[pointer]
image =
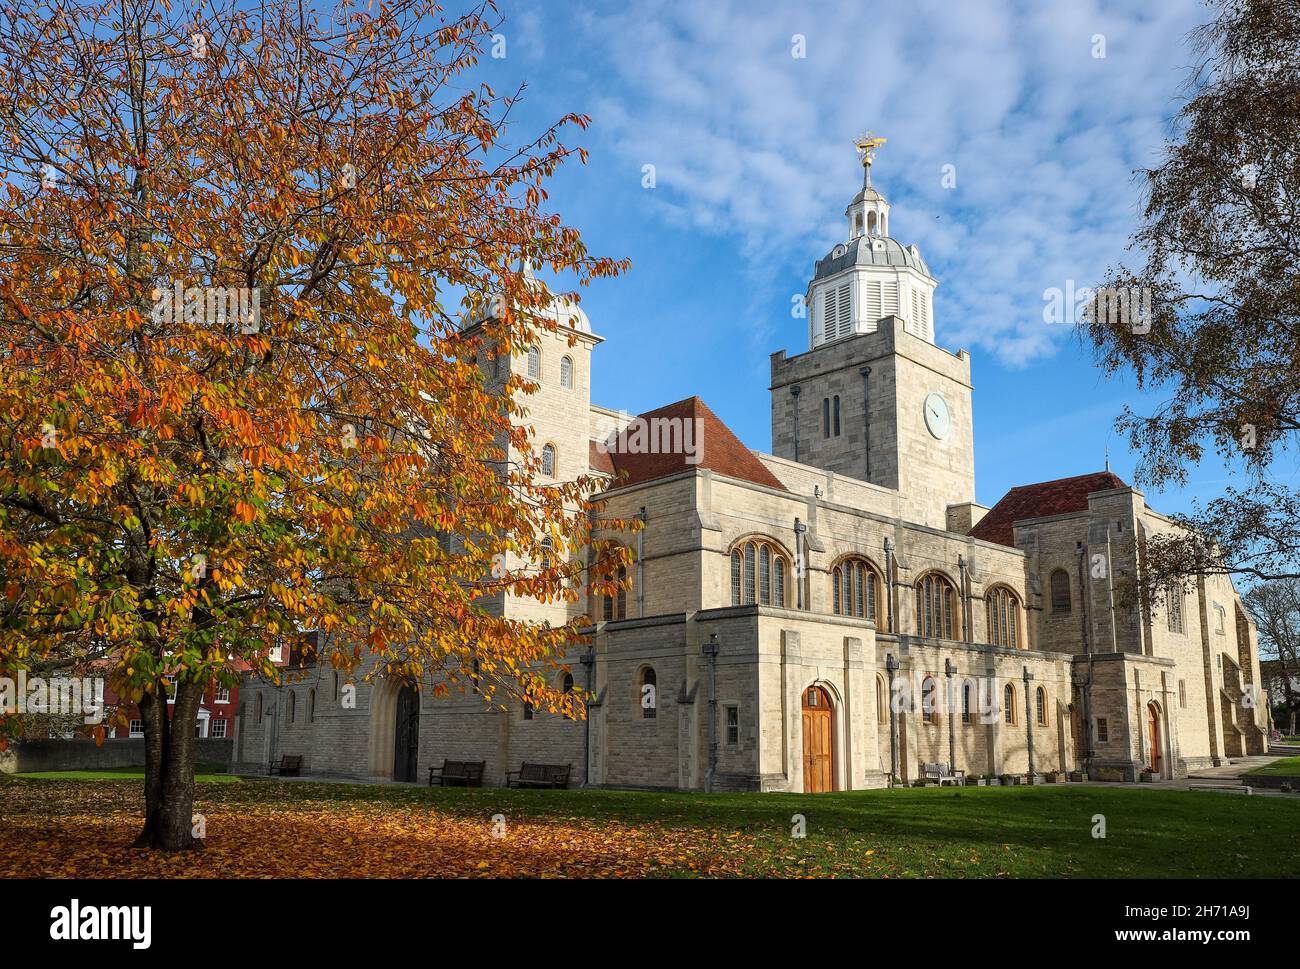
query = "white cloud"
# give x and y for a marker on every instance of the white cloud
(752, 143)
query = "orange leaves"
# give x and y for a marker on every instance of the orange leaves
(245, 512)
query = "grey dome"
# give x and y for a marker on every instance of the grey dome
(869, 251)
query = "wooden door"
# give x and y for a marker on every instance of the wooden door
(406, 736)
(1153, 739)
(818, 747)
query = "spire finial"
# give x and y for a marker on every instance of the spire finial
(867, 146)
(1108, 459)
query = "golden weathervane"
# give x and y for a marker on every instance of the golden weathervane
(867, 145)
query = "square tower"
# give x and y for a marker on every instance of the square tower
(887, 407)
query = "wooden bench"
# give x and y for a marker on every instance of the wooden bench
(457, 773)
(942, 774)
(539, 775)
(290, 766)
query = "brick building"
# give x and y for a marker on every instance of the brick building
(867, 615)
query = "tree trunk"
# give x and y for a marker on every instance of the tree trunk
(169, 769)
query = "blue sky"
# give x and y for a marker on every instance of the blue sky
(754, 164)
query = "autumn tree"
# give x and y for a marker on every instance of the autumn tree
(235, 398)
(1275, 607)
(1221, 345)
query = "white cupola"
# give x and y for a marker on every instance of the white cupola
(870, 277)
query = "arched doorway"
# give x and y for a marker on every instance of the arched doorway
(1153, 739)
(406, 734)
(818, 742)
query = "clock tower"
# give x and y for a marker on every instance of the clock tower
(874, 397)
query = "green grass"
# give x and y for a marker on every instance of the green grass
(974, 832)
(1285, 767)
(209, 773)
(1029, 832)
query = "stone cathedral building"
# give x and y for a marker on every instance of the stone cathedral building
(836, 612)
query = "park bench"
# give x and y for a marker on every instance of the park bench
(290, 766)
(457, 773)
(942, 774)
(539, 775)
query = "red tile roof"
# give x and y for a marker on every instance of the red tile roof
(598, 460)
(717, 448)
(1040, 500)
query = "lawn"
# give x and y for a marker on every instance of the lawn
(268, 828)
(1285, 767)
(203, 773)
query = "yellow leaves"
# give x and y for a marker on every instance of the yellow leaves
(245, 512)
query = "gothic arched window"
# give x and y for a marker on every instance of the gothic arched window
(1040, 706)
(649, 694)
(855, 588)
(928, 700)
(1175, 594)
(548, 460)
(1003, 609)
(1009, 703)
(1060, 583)
(936, 601)
(758, 574)
(615, 605)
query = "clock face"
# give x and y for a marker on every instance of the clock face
(937, 416)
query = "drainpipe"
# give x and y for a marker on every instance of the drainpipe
(889, 580)
(866, 419)
(640, 565)
(891, 667)
(1086, 610)
(1110, 593)
(1030, 710)
(589, 661)
(949, 668)
(710, 650)
(966, 615)
(794, 392)
(801, 561)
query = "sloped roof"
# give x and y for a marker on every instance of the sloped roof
(597, 459)
(716, 447)
(1040, 500)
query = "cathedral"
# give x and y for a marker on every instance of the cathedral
(831, 616)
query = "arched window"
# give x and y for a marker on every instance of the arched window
(1060, 583)
(1009, 703)
(548, 460)
(534, 363)
(935, 605)
(826, 417)
(336, 684)
(835, 407)
(967, 698)
(882, 712)
(649, 694)
(928, 701)
(311, 706)
(1040, 706)
(259, 707)
(1175, 593)
(528, 710)
(293, 706)
(1003, 611)
(616, 605)
(566, 683)
(566, 373)
(855, 588)
(758, 574)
